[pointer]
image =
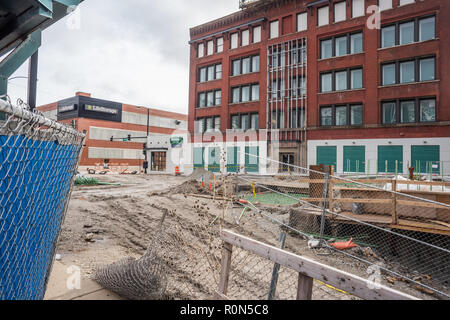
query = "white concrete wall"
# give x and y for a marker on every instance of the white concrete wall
(372, 150)
(155, 121)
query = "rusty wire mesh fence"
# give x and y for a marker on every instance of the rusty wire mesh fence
(38, 162)
(360, 227)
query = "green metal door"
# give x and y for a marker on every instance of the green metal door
(392, 156)
(252, 159)
(354, 159)
(425, 159)
(199, 161)
(232, 159)
(327, 156)
(214, 160)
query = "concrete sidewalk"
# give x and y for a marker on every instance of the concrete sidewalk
(89, 290)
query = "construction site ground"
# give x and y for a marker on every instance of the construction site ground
(107, 223)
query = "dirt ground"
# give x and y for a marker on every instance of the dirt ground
(105, 224)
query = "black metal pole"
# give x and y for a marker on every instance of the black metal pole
(32, 80)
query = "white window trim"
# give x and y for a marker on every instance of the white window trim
(272, 34)
(361, 14)
(236, 42)
(323, 9)
(302, 17)
(407, 3)
(339, 5)
(245, 38)
(259, 32)
(385, 8)
(201, 50)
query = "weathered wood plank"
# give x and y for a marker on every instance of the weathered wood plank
(308, 267)
(422, 204)
(227, 251)
(304, 287)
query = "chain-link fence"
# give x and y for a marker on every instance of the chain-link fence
(388, 225)
(38, 161)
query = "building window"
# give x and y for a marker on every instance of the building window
(323, 16)
(219, 45)
(356, 43)
(326, 48)
(427, 110)
(210, 73)
(389, 113)
(327, 82)
(427, 29)
(210, 47)
(388, 71)
(407, 32)
(245, 121)
(274, 29)
(201, 50)
(338, 46)
(209, 124)
(341, 115)
(405, 2)
(326, 116)
(356, 115)
(427, 69)
(245, 37)
(388, 37)
(296, 89)
(409, 111)
(341, 46)
(356, 79)
(257, 34)
(417, 70)
(278, 88)
(245, 93)
(234, 40)
(302, 21)
(419, 29)
(340, 11)
(209, 99)
(385, 4)
(342, 80)
(245, 65)
(407, 72)
(358, 9)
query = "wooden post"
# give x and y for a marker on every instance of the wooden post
(227, 251)
(394, 203)
(330, 194)
(304, 289)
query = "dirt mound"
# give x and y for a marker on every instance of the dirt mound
(199, 173)
(190, 186)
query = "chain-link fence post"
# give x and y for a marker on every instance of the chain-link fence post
(324, 206)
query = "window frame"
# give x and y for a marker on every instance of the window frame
(271, 24)
(417, 110)
(207, 73)
(349, 79)
(417, 71)
(206, 98)
(241, 65)
(396, 25)
(204, 121)
(327, 7)
(240, 87)
(349, 107)
(240, 116)
(305, 13)
(348, 36)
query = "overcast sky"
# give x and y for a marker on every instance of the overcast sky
(133, 51)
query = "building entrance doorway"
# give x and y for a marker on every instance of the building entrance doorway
(159, 161)
(287, 159)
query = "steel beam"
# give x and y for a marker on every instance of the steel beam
(32, 80)
(16, 58)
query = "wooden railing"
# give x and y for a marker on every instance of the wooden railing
(307, 269)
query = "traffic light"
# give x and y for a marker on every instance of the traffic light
(111, 139)
(129, 137)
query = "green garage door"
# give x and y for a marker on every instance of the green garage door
(252, 159)
(214, 160)
(232, 159)
(426, 158)
(354, 159)
(393, 156)
(327, 156)
(199, 161)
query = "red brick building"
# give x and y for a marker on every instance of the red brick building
(341, 88)
(102, 120)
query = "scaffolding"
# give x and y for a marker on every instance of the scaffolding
(287, 92)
